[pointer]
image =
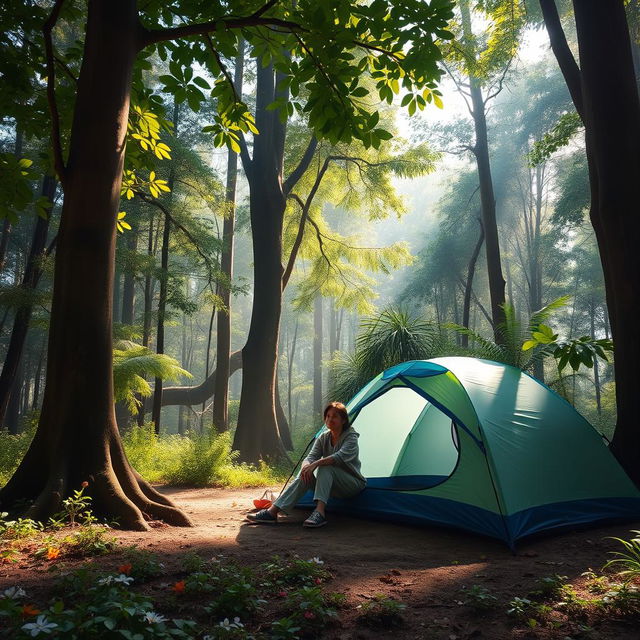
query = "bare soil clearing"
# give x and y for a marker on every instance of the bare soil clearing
(427, 569)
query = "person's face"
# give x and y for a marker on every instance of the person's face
(334, 420)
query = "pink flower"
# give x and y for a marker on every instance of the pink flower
(282, 594)
(309, 615)
(318, 580)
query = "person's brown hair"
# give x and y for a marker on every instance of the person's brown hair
(342, 411)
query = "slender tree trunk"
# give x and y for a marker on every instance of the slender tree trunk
(487, 197)
(12, 418)
(38, 376)
(162, 306)
(146, 315)
(117, 296)
(468, 286)
(223, 337)
(317, 357)
(128, 285)
(77, 437)
(292, 353)
(283, 424)
(6, 224)
(30, 279)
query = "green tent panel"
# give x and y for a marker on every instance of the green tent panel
(482, 446)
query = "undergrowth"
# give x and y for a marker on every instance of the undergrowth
(196, 459)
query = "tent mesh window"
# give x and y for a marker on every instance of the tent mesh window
(406, 443)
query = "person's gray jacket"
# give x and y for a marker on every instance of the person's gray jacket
(345, 453)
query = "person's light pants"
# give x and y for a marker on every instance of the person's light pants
(328, 481)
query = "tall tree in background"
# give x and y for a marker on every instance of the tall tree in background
(223, 335)
(608, 105)
(485, 61)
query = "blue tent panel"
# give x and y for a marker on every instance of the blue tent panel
(414, 369)
(412, 508)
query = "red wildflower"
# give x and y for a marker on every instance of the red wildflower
(178, 587)
(125, 568)
(52, 553)
(29, 610)
(282, 594)
(309, 615)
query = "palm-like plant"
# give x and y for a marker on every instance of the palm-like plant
(391, 337)
(131, 363)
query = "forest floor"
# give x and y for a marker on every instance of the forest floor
(444, 577)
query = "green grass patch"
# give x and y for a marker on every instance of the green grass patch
(197, 459)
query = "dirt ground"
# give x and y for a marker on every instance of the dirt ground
(426, 568)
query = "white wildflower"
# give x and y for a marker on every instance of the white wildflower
(316, 560)
(41, 625)
(14, 593)
(153, 618)
(236, 624)
(121, 579)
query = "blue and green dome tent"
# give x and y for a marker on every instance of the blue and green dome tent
(481, 446)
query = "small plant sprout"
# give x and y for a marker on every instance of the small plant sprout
(479, 598)
(77, 505)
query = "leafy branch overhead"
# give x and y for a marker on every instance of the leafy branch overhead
(324, 52)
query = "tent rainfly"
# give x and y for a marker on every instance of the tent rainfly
(481, 446)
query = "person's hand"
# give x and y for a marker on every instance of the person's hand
(306, 473)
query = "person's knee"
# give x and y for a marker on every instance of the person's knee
(324, 472)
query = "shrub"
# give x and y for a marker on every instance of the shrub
(197, 459)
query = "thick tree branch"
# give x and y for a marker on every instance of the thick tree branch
(303, 165)
(148, 37)
(560, 47)
(58, 160)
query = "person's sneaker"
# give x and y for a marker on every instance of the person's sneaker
(316, 519)
(262, 517)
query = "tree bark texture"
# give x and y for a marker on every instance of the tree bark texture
(257, 435)
(77, 438)
(223, 335)
(487, 197)
(612, 121)
(468, 286)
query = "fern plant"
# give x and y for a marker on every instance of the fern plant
(514, 335)
(132, 363)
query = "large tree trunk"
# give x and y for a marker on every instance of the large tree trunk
(30, 280)
(77, 437)
(612, 121)
(223, 336)
(257, 434)
(610, 110)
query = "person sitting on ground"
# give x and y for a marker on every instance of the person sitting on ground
(334, 459)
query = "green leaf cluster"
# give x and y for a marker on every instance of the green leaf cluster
(131, 363)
